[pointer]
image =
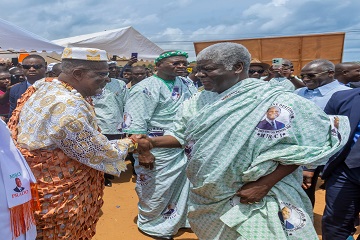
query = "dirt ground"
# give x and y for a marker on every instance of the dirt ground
(118, 216)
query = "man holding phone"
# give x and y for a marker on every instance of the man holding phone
(133, 59)
(17, 75)
(281, 72)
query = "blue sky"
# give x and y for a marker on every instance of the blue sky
(177, 24)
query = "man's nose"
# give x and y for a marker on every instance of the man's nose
(199, 74)
(182, 65)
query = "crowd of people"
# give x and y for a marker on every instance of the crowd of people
(232, 150)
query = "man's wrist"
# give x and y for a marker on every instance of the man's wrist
(291, 77)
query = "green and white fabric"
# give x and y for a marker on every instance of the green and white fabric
(109, 106)
(284, 82)
(163, 191)
(229, 147)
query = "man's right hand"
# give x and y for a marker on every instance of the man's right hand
(307, 179)
(143, 141)
(132, 61)
(146, 158)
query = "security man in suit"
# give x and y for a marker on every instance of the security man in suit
(34, 67)
(342, 172)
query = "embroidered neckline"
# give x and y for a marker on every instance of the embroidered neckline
(169, 83)
(72, 90)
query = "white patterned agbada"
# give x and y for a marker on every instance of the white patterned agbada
(56, 118)
(231, 145)
(56, 131)
(163, 191)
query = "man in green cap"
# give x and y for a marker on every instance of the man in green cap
(150, 109)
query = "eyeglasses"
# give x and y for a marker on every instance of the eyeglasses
(102, 74)
(312, 75)
(36, 66)
(251, 71)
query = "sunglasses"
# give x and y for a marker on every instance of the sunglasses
(251, 71)
(36, 66)
(311, 75)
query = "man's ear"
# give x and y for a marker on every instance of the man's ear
(78, 74)
(331, 73)
(239, 67)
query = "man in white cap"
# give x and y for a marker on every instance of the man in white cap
(55, 128)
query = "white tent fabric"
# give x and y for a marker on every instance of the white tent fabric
(121, 42)
(16, 39)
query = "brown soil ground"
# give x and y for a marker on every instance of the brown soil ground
(119, 213)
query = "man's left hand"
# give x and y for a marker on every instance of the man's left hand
(253, 192)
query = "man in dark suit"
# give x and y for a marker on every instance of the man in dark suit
(34, 67)
(284, 216)
(348, 73)
(19, 187)
(269, 123)
(342, 172)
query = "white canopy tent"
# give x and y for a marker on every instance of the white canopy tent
(120, 42)
(14, 39)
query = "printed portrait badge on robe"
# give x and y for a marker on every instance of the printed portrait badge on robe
(291, 217)
(127, 120)
(275, 122)
(334, 122)
(147, 92)
(175, 95)
(188, 149)
(170, 211)
(143, 179)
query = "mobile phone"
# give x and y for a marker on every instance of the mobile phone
(14, 79)
(277, 63)
(134, 55)
(15, 61)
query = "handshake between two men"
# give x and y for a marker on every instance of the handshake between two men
(145, 144)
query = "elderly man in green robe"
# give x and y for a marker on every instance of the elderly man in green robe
(243, 175)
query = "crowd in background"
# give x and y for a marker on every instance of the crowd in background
(137, 107)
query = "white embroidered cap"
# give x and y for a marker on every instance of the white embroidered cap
(89, 54)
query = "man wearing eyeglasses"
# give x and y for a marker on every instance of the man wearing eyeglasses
(34, 67)
(318, 76)
(257, 68)
(55, 128)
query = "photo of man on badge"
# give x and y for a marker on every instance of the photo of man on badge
(269, 123)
